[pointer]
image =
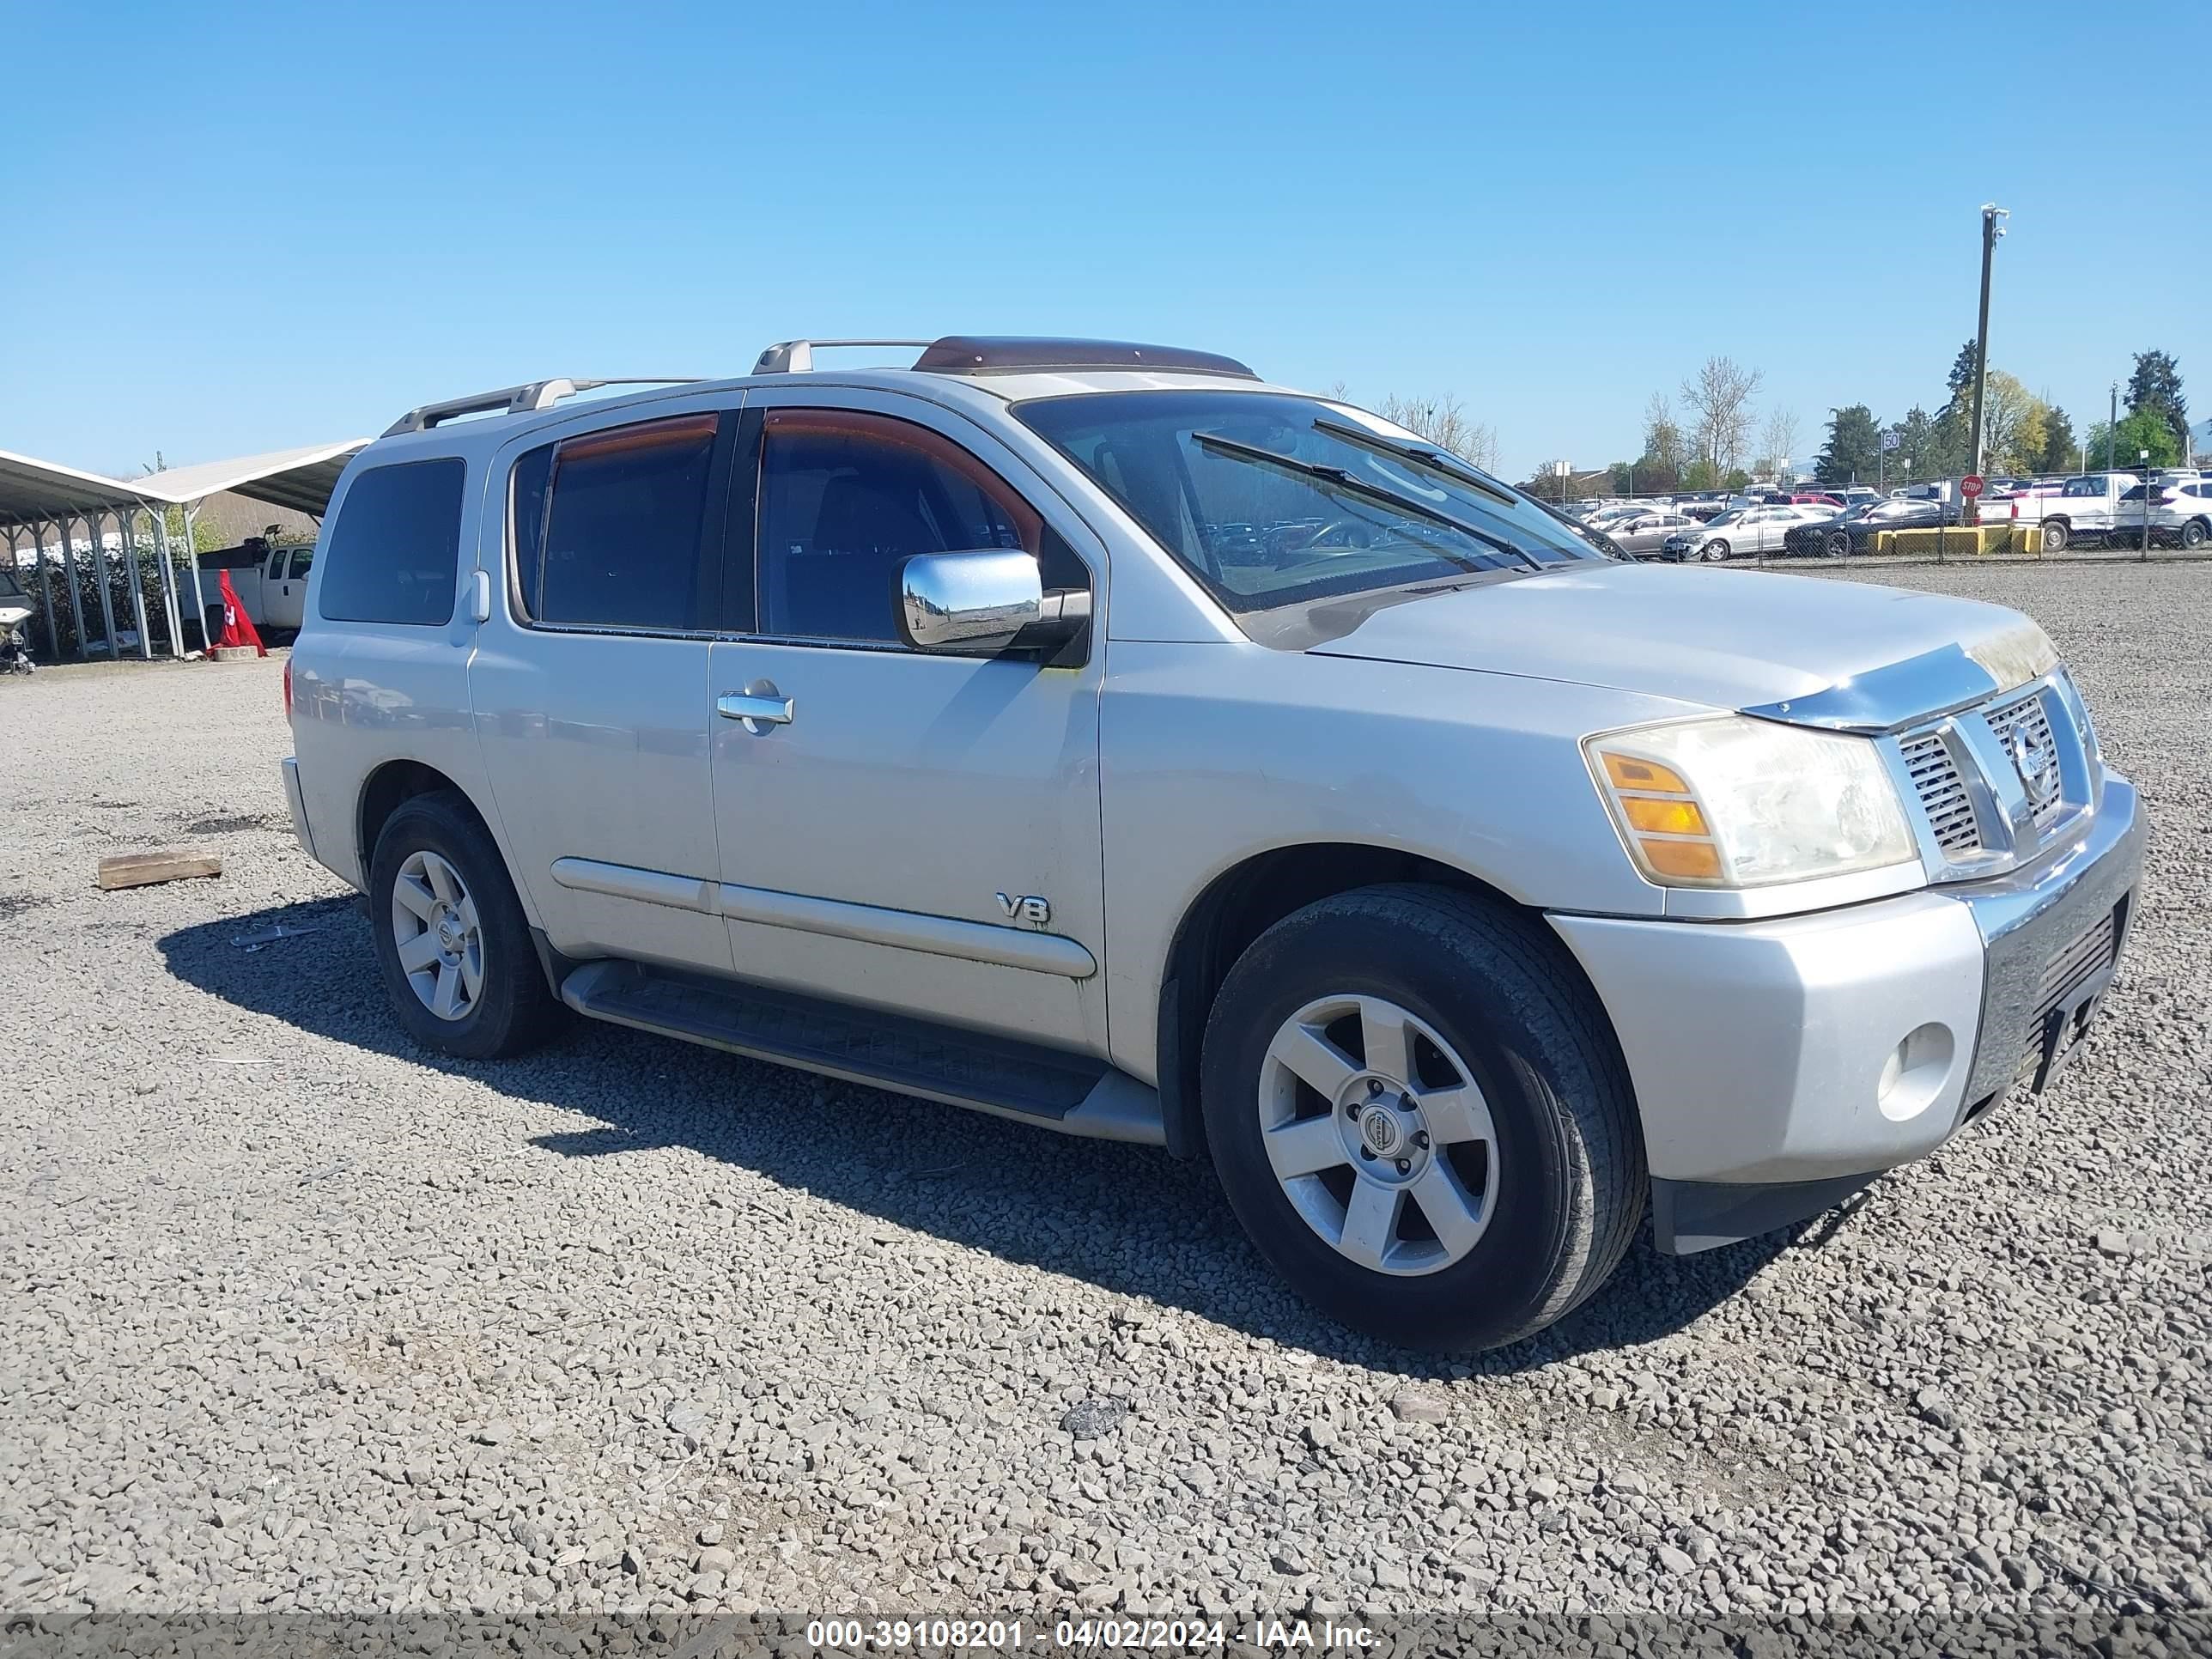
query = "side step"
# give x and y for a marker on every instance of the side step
(1072, 1093)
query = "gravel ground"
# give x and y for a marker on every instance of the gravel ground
(298, 1318)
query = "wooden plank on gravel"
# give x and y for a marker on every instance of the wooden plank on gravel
(143, 869)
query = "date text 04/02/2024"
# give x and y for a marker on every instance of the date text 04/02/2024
(1083, 1635)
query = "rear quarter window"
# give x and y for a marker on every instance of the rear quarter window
(392, 553)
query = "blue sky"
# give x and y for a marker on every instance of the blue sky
(236, 227)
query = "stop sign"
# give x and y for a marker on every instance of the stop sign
(1970, 486)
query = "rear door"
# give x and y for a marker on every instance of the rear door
(1768, 526)
(914, 832)
(589, 682)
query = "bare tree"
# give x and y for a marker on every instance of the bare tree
(1719, 394)
(1778, 442)
(1663, 437)
(1444, 422)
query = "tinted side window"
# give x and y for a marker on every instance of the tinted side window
(845, 496)
(391, 555)
(609, 526)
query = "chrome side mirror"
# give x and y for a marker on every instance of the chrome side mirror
(982, 603)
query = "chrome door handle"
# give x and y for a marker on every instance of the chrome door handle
(760, 706)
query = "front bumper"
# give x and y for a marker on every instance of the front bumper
(1779, 1063)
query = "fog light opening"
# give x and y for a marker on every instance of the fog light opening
(1915, 1073)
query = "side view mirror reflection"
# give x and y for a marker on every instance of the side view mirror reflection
(982, 603)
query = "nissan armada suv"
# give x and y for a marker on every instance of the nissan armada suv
(1097, 736)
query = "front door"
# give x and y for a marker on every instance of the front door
(288, 609)
(910, 831)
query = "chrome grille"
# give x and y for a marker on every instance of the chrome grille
(1968, 769)
(2026, 718)
(1942, 793)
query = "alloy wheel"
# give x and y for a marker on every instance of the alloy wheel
(441, 942)
(1378, 1135)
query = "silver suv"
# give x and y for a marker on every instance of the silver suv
(1094, 735)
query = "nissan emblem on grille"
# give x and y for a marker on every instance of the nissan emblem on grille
(2034, 757)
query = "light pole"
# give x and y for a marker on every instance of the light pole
(1992, 214)
(2112, 426)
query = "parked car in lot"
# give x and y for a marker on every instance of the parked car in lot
(2071, 509)
(1460, 894)
(1740, 532)
(1643, 535)
(2178, 515)
(1853, 531)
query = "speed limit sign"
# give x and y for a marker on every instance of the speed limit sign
(1970, 486)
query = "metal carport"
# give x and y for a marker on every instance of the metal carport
(37, 496)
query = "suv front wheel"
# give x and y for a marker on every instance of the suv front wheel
(1419, 1114)
(451, 936)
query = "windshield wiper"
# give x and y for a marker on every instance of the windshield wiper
(1428, 455)
(1352, 485)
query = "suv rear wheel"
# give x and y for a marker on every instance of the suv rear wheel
(451, 936)
(2195, 534)
(1419, 1113)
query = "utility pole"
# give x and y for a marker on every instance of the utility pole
(1991, 229)
(2112, 426)
(2146, 487)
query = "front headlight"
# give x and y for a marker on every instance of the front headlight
(1737, 802)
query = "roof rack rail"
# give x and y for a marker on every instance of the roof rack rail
(797, 356)
(518, 400)
(984, 354)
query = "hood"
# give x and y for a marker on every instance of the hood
(1729, 639)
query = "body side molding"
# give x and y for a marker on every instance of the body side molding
(908, 930)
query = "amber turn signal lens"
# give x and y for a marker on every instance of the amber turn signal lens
(1697, 860)
(1629, 772)
(1664, 818)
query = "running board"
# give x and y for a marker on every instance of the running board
(1050, 1087)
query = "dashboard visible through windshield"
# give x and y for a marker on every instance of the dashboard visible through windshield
(1271, 500)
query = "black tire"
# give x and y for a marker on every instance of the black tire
(1570, 1181)
(1714, 552)
(1839, 544)
(516, 1009)
(2195, 534)
(2055, 535)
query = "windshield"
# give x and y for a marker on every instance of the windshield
(1273, 500)
(10, 588)
(1734, 515)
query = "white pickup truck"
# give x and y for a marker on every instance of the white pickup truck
(271, 582)
(2067, 508)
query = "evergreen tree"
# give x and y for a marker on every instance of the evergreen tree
(1961, 378)
(1854, 447)
(2155, 387)
(2059, 454)
(1915, 454)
